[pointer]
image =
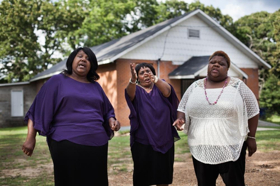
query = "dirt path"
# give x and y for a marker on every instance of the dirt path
(263, 169)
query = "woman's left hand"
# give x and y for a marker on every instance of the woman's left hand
(252, 146)
(114, 124)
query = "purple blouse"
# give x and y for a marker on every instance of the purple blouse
(151, 117)
(65, 109)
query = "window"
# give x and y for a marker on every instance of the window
(194, 33)
(17, 103)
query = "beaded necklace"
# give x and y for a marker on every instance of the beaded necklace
(205, 82)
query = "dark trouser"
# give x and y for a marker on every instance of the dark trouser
(76, 165)
(151, 167)
(231, 172)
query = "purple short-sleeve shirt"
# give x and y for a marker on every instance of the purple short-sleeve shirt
(65, 109)
(151, 118)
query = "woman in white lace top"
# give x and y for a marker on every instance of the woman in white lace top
(220, 114)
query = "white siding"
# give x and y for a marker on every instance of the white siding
(17, 103)
(174, 45)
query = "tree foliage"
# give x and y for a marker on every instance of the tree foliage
(270, 95)
(22, 55)
(260, 32)
(105, 20)
(108, 20)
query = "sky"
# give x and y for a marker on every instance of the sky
(239, 8)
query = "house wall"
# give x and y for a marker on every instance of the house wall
(165, 68)
(122, 75)
(29, 93)
(108, 81)
(175, 45)
(253, 80)
(39, 84)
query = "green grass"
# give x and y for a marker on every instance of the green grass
(181, 146)
(274, 119)
(268, 140)
(119, 156)
(13, 159)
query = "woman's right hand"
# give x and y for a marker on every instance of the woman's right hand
(133, 72)
(178, 123)
(28, 146)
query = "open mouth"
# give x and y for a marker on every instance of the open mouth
(81, 65)
(215, 70)
(147, 79)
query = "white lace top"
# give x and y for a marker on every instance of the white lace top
(216, 133)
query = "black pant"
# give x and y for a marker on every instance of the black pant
(76, 164)
(231, 172)
(151, 167)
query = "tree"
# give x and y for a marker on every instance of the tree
(105, 21)
(275, 57)
(108, 20)
(17, 38)
(77, 23)
(260, 32)
(215, 13)
(21, 54)
(270, 95)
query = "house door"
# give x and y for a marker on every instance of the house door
(185, 85)
(17, 103)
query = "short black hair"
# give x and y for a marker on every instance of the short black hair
(142, 65)
(223, 54)
(92, 75)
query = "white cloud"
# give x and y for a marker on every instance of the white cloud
(235, 11)
(239, 8)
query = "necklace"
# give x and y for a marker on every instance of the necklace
(205, 82)
(147, 89)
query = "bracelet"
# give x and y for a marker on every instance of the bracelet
(132, 82)
(156, 79)
(251, 137)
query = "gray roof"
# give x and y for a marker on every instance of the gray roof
(109, 50)
(191, 66)
(57, 68)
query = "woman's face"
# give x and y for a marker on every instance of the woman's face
(81, 64)
(217, 68)
(145, 76)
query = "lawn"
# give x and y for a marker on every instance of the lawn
(274, 118)
(32, 171)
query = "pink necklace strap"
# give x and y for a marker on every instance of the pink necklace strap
(205, 83)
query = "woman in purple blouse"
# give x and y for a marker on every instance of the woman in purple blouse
(73, 112)
(153, 104)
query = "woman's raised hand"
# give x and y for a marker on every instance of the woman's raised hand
(133, 72)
